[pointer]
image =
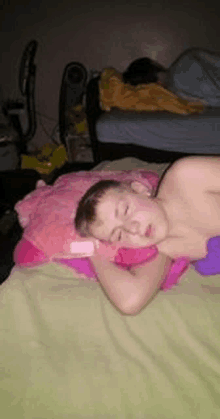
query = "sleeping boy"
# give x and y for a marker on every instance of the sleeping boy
(179, 219)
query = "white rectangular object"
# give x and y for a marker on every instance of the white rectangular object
(82, 248)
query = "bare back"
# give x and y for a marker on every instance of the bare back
(191, 189)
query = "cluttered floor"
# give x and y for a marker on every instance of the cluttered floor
(14, 186)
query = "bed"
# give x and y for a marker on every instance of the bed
(162, 136)
(66, 352)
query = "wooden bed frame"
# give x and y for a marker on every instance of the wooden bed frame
(112, 151)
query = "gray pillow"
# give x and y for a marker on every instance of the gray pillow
(196, 75)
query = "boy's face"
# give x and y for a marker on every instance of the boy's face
(131, 218)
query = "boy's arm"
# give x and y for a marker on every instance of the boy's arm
(131, 290)
(194, 247)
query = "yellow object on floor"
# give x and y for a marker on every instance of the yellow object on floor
(143, 97)
(46, 159)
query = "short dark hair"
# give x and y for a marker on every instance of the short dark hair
(86, 210)
(142, 71)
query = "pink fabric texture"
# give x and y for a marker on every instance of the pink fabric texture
(128, 258)
(82, 265)
(25, 253)
(178, 267)
(47, 216)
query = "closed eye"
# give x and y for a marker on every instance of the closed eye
(126, 210)
(119, 236)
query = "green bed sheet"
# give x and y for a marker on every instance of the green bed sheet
(66, 352)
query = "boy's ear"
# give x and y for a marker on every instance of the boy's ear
(138, 187)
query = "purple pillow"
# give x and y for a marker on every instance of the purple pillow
(210, 265)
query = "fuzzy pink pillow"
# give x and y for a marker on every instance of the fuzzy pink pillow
(47, 214)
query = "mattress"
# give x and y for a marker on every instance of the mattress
(193, 134)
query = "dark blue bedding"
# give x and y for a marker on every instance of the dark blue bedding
(198, 133)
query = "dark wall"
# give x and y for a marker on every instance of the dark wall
(98, 34)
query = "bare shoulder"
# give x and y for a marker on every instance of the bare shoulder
(195, 165)
(203, 172)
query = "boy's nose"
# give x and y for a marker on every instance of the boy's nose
(132, 227)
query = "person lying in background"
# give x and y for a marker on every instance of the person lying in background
(144, 71)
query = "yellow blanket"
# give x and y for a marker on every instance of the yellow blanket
(150, 97)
